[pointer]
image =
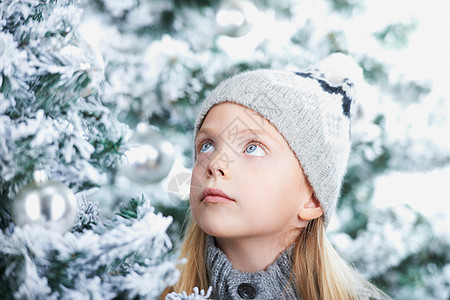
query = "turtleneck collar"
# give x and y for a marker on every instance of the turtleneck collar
(228, 283)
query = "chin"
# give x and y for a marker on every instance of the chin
(217, 233)
(215, 229)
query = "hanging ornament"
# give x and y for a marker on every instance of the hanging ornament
(47, 203)
(235, 18)
(149, 157)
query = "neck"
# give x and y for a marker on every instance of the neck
(253, 254)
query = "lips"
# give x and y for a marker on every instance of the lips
(215, 195)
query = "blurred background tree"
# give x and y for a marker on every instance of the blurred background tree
(102, 95)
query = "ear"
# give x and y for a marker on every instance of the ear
(310, 209)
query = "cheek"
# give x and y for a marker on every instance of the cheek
(281, 191)
(196, 186)
(194, 198)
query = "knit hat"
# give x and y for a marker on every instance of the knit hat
(310, 109)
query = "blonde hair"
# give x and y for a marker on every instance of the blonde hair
(324, 274)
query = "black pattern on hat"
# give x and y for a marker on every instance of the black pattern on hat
(346, 100)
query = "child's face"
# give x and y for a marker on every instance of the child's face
(244, 156)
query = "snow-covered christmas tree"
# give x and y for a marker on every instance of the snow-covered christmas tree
(97, 102)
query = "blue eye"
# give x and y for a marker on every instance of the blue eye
(206, 147)
(255, 150)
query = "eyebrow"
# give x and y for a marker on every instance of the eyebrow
(246, 130)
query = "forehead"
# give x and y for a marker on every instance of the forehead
(228, 117)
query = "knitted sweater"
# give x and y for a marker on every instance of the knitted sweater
(273, 283)
(228, 283)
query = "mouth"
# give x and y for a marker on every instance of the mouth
(211, 195)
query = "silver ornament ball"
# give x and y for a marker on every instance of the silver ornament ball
(46, 203)
(149, 157)
(235, 18)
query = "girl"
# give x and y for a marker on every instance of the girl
(271, 149)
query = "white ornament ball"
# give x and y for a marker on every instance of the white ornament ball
(235, 18)
(47, 203)
(149, 157)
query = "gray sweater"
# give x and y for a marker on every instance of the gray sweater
(273, 283)
(228, 283)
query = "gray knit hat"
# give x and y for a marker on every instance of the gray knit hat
(310, 109)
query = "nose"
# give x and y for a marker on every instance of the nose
(218, 166)
(219, 172)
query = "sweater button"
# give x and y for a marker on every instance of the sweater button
(246, 291)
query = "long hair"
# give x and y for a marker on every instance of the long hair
(320, 273)
(318, 270)
(193, 272)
